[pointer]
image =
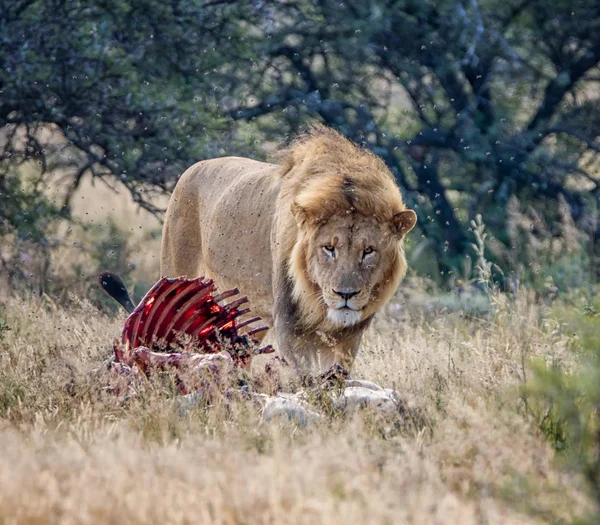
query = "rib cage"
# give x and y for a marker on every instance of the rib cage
(173, 307)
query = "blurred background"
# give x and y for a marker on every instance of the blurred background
(488, 114)
(478, 107)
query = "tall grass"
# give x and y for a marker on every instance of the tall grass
(473, 441)
(74, 453)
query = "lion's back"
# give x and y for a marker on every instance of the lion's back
(218, 225)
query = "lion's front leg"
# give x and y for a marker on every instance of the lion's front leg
(312, 351)
(294, 345)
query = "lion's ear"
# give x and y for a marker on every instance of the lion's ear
(404, 222)
(299, 213)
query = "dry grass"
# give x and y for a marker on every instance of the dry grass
(74, 454)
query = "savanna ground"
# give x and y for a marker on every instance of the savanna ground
(470, 443)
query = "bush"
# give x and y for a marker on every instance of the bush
(27, 219)
(565, 404)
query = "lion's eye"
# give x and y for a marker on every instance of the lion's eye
(368, 251)
(329, 249)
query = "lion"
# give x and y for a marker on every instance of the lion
(316, 242)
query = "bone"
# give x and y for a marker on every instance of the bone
(225, 295)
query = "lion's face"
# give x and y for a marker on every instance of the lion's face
(350, 259)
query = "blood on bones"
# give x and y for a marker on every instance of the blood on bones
(186, 324)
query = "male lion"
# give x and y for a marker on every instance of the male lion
(315, 243)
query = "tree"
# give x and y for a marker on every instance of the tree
(471, 103)
(500, 100)
(115, 87)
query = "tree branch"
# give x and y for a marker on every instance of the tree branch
(591, 144)
(560, 86)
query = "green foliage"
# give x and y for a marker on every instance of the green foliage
(11, 394)
(566, 404)
(582, 318)
(469, 103)
(119, 87)
(473, 105)
(4, 327)
(27, 218)
(25, 213)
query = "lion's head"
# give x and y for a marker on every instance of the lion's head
(347, 257)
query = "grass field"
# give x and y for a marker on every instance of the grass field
(464, 448)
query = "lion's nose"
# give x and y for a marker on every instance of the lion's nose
(347, 294)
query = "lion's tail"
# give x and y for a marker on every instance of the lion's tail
(114, 286)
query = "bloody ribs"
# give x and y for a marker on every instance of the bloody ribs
(185, 325)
